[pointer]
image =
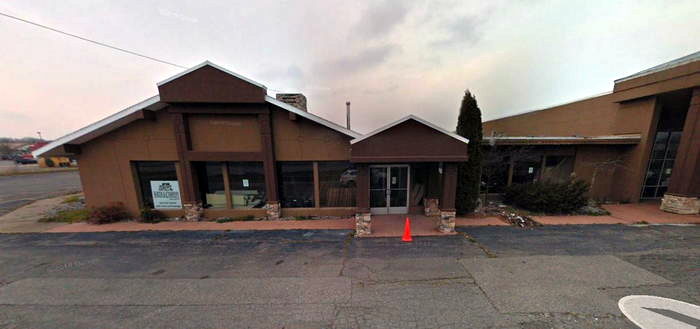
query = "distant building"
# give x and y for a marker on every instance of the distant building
(642, 139)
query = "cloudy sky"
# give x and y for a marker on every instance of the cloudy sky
(389, 58)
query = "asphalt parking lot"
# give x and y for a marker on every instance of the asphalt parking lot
(488, 277)
(16, 191)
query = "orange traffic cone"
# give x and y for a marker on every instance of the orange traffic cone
(407, 231)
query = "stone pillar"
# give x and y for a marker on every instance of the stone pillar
(447, 221)
(272, 210)
(677, 204)
(363, 223)
(431, 207)
(194, 211)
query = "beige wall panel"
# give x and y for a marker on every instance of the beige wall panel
(225, 132)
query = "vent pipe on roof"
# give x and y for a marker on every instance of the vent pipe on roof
(347, 114)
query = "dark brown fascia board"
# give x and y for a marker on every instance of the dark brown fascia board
(222, 156)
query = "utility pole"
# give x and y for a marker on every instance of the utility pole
(39, 133)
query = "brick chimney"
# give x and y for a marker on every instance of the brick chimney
(296, 100)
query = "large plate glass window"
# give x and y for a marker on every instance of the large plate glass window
(337, 184)
(296, 184)
(163, 176)
(212, 190)
(247, 183)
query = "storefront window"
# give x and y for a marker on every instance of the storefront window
(558, 168)
(247, 183)
(296, 184)
(211, 184)
(337, 184)
(526, 171)
(158, 173)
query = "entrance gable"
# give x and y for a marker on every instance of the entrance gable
(410, 139)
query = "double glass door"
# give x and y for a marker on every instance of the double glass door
(388, 189)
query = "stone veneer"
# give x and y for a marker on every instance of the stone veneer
(194, 212)
(683, 205)
(272, 210)
(431, 207)
(447, 221)
(363, 224)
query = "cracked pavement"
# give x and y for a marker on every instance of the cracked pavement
(486, 277)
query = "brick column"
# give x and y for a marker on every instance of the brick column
(683, 194)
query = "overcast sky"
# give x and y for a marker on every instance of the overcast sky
(389, 58)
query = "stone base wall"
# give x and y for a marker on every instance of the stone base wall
(363, 224)
(431, 207)
(194, 212)
(273, 211)
(447, 221)
(680, 204)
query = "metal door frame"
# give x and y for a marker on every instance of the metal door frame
(389, 209)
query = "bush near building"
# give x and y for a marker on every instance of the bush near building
(548, 197)
(108, 214)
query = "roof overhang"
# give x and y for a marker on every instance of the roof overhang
(132, 113)
(68, 144)
(563, 140)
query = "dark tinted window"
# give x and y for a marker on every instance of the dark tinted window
(296, 184)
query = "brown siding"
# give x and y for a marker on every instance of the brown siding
(596, 116)
(642, 117)
(210, 85)
(588, 158)
(680, 77)
(410, 141)
(590, 117)
(304, 140)
(105, 168)
(224, 132)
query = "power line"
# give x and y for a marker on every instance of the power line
(91, 41)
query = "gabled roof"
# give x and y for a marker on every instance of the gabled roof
(120, 119)
(208, 63)
(313, 117)
(406, 118)
(103, 126)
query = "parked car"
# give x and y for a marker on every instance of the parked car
(24, 160)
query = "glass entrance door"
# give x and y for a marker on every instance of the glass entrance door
(388, 189)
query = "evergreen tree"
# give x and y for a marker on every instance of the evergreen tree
(469, 174)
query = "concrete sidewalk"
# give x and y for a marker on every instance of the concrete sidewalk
(26, 219)
(630, 213)
(131, 226)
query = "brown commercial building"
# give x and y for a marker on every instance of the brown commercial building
(641, 141)
(213, 144)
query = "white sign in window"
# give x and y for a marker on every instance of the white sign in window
(166, 194)
(246, 183)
